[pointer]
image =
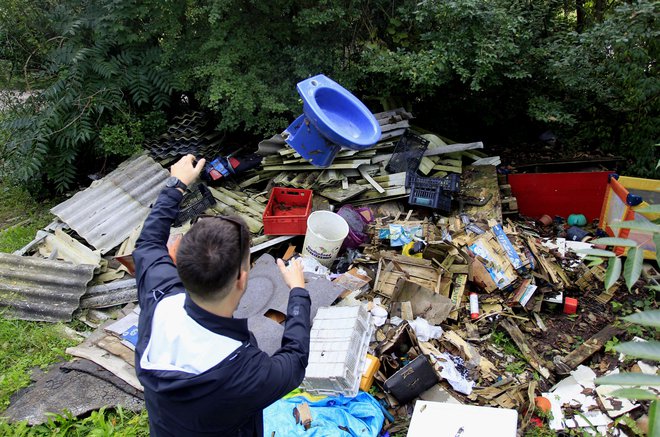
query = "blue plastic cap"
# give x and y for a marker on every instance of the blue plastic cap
(633, 199)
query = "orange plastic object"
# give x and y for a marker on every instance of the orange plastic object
(372, 366)
(570, 305)
(543, 404)
(623, 198)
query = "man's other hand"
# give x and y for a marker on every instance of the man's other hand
(293, 273)
(185, 171)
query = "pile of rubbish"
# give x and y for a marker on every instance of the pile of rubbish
(445, 304)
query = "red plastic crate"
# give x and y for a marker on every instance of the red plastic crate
(287, 211)
(560, 194)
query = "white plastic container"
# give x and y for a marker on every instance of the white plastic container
(326, 232)
(338, 350)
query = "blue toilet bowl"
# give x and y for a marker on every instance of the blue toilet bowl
(332, 118)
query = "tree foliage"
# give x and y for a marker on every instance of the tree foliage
(102, 64)
(471, 69)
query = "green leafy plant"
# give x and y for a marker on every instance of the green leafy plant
(610, 345)
(632, 268)
(635, 382)
(102, 423)
(516, 368)
(98, 64)
(502, 340)
(128, 132)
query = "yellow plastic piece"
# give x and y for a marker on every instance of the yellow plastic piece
(367, 380)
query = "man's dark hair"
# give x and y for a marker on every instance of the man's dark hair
(207, 258)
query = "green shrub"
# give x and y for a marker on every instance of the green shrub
(107, 57)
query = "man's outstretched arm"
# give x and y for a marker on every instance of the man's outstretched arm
(153, 266)
(277, 375)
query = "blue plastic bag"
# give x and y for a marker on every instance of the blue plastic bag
(358, 416)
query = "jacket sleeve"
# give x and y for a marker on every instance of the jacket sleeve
(154, 269)
(284, 371)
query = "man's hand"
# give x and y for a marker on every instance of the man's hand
(185, 171)
(293, 274)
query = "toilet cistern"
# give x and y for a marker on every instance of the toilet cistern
(332, 118)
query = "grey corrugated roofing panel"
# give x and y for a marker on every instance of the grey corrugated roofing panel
(107, 212)
(41, 289)
(111, 294)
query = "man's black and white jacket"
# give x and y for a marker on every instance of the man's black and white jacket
(203, 375)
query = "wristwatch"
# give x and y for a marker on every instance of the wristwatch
(174, 182)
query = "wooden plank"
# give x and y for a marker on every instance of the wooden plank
(449, 168)
(339, 194)
(353, 163)
(531, 356)
(402, 259)
(451, 162)
(393, 192)
(450, 148)
(387, 180)
(369, 179)
(471, 353)
(457, 295)
(478, 183)
(590, 347)
(426, 165)
(269, 243)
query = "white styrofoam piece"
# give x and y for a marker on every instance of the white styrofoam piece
(577, 389)
(338, 345)
(440, 419)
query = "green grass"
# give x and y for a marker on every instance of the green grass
(21, 216)
(516, 367)
(504, 342)
(24, 346)
(103, 423)
(28, 345)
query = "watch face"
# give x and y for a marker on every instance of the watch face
(171, 182)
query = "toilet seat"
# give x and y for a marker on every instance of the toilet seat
(332, 118)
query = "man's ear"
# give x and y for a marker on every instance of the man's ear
(242, 280)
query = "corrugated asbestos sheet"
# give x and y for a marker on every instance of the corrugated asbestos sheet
(41, 289)
(111, 294)
(107, 212)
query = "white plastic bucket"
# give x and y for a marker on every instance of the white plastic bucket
(326, 232)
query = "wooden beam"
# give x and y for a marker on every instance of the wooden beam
(449, 148)
(397, 179)
(531, 356)
(269, 243)
(590, 347)
(369, 179)
(339, 165)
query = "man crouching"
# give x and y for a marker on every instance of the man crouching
(202, 371)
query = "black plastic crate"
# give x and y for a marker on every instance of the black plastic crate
(429, 192)
(450, 183)
(194, 203)
(408, 152)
